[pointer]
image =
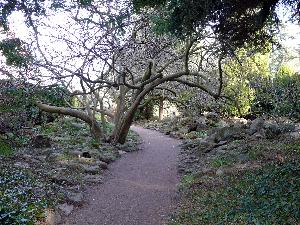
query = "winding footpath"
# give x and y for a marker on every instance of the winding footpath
(140, 188)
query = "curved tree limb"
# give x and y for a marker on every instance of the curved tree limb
(94, 125)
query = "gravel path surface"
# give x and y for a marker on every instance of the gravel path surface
(140, 188)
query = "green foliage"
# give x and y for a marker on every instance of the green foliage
(85, 2)
(15, 53)
(186, 181)
(7, 7)
(18, 102)
(237, 23)
(23, 197)
(222, 161)
(95, 144)
(5, 148)
(281, 96)
(138, 4)
(267, 196)
(240, 75)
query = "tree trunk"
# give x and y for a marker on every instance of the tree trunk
(161, 109)
(119, 109)
(94, 125)
(122, 127)
(103, 120)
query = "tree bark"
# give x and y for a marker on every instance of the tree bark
(103, 120)
(161, 109)
(94, 125)
(122, 127)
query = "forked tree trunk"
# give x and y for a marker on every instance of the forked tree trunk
(122, 127)
(94, 125)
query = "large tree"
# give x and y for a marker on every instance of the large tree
(105, 49)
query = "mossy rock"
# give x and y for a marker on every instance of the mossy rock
(5, 148)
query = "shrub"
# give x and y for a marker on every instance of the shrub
(18, 99)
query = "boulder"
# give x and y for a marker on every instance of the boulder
(256, 125)
(274, 129)
(225, 134)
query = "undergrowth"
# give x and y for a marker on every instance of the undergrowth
(23, 197)
(267, 196)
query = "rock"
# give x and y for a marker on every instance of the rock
(66, 208)
(243, 158)
(205, 146)
(256, 125)
(220, 172)
(41, 141)
(220, 143)
(75, 153)
(237, 120)
(294, 135)
(221, 149)
(93, 169)
(107, 157)
(272, 130)
(52, 217)
(212, 116)
(121, 152)
(260, 135)
(102, 165)
(75, 198)
(192, 127)
(22, 165)
(225, 134)
(93, 178)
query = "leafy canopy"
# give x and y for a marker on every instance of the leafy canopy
(236, 22)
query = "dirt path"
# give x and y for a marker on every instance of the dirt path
(140, 189)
